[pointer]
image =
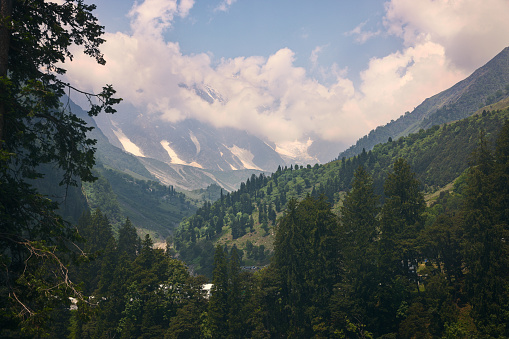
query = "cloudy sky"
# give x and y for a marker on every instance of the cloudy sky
(290, 69)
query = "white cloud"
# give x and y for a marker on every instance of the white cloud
(276, 100)
(471, 31)
(361, 35)
(152, 17)
(315, 53)
(400, 81)
(184, 7)
(225, 5)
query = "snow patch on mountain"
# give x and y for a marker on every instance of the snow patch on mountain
(232, 167)
(127, 144)
(174, 156)
(195, 164)
(195, 142)
(245, 157)
(296, 151)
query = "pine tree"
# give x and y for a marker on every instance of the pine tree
(502, 174)
(400, 222)
(129, 242)
(234, 296)
(401, 218)
(307, 258)
(359, 218)
(36, 132)
(97, 233)
(486, 251)
(218, 304)
(290, 250)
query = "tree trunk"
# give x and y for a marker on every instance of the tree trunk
(5, 13)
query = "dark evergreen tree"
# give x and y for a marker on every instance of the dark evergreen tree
(359, 217)
(485, 250)
(129, 243)
(37, 133)
(401, 218)
(217, 316)
(400, 223)
(307, 258)
(97, 234)
(234, 296)
(502, 175)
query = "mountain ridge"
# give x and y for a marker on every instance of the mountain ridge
(457, 102)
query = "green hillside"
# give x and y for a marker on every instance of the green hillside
(153, 208)
(486, 86)
(247, 216)
(126, 189)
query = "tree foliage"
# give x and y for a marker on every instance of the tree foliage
(35, 130)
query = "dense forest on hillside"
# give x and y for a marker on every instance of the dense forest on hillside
(154, 208)
(247, 217)
(381, 268)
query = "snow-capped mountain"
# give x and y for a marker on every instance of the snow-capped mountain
(190, 143)
(165, 148)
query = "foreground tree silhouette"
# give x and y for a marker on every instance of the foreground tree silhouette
(35, 242)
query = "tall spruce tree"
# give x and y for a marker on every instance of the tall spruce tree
(96, 231)
(359, 218)
(486, 251)
(234, 296)
(129, 243)
(217, 316)
(290, 261)
(502, 174)
(307, 257)
(401, 219)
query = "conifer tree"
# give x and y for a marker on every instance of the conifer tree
(234, 296)
(486, 251)
(218, 303)
(359, 218)
(502, 174)
(290, 250)
(400, 222)
(307, 257)
(401, 218)
(36, 132)
(96, 231)
(129, 243)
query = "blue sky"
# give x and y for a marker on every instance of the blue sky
(291, 71)
(262, 27)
